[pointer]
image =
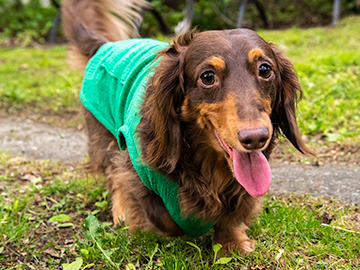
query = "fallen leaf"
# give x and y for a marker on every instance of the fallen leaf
(27, 264)
(27, 177)
(282, 262)
(51, 252)
(24, 66)
(38, 198)
(69, 241)
(73, 249)
(80, 196)
(258, 267)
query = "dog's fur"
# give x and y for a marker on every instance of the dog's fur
(179, 115)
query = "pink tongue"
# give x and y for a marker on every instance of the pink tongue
(252, 171)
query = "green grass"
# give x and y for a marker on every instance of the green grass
(37, 78)
(51, 214)
(327, 61)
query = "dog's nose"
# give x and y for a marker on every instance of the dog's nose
(254, 138)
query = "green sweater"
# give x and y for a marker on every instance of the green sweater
(113, 90)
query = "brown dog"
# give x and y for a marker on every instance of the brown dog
(211, 114)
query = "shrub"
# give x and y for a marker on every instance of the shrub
(215, 14)
(26, 20)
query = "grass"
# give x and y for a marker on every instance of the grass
(327, 61)
(38, 76)
(38, 81)
(53, 214)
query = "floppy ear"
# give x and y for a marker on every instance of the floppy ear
(159, 129)
(283, 116)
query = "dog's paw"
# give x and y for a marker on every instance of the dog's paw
(245, 246)
(118, 215)
(234, 239)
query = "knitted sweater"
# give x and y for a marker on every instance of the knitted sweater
(113, 90)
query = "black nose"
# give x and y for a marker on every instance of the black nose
(254, 138)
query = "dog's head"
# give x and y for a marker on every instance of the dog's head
(237, 86)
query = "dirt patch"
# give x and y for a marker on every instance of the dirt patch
(330, 180)
(335, 174)
(344, 153)
(64, 118)
(36, 182)
(41, 141)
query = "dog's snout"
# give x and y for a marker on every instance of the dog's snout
(254, 138)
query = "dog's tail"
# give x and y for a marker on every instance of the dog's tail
(88, 24)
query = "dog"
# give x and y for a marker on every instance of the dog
(182, 131)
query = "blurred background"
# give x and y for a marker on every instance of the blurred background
(321, 38)
(24, 21)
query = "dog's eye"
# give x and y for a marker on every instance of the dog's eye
(265, 71)
(208, 77)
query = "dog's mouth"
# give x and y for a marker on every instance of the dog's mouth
(251, 170)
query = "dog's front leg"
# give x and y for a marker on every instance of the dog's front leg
(233, 238)
(230, 230)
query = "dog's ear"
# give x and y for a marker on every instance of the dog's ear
(168, 81)
(288, 93)
(161, 111)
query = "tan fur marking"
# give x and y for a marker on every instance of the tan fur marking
(117, 209)
(223, 115)
(217, 63)
(266, 102)
(267, 105)
(111, 144)
(255, 54)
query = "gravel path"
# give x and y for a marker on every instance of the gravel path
(41, 141)
(329, 180)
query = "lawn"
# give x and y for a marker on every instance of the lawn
(39, 82)
(53, 214)
(327, 60)
(56, 216)
(37, 77)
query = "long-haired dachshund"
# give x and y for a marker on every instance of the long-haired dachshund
(182, 131)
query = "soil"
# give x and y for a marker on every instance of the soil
(335, 174)
(42, 141)
(329, 180)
